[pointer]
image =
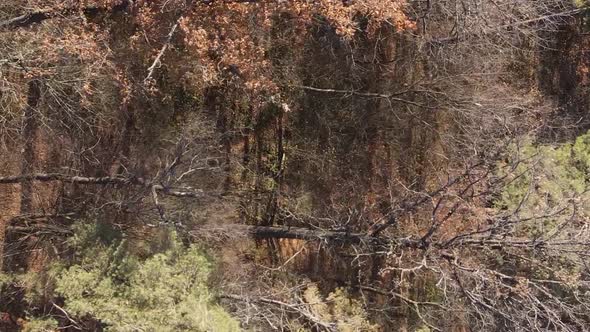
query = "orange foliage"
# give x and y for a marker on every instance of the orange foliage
(214, 42)
(235, 36)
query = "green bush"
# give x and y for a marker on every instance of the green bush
(45, 324)
(543, 182)
(165, 292)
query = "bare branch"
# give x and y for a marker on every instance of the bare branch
(293, 307)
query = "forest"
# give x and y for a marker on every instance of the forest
(295, 165)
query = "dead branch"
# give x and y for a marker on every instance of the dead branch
(262, 232)
(106, 180)
(390, 97)
(158, 60)
(292, 307)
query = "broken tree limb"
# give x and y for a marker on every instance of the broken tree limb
(41, 229)
(158, 60)
(390, 97)
(283, 232)
(25, 20)
(105, 180)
